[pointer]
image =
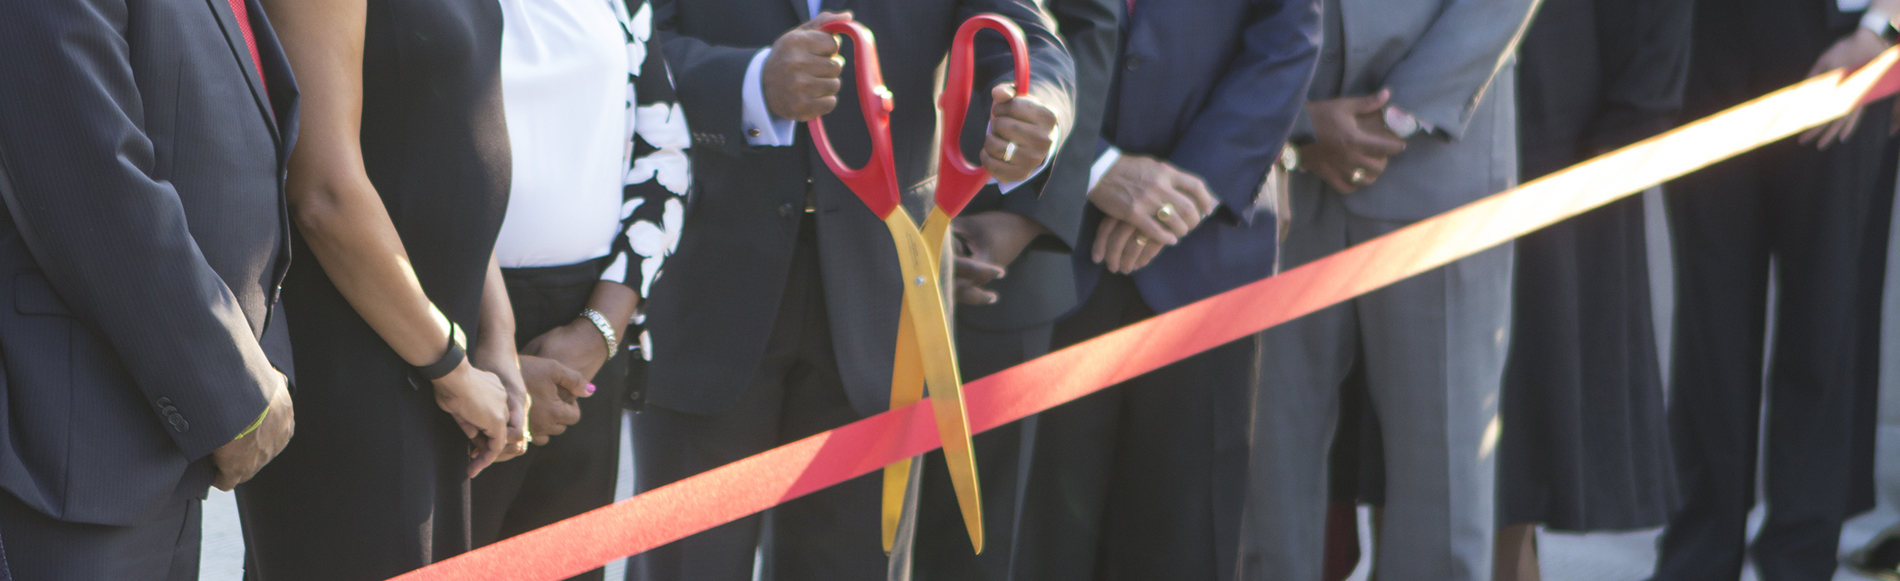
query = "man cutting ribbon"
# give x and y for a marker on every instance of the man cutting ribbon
(785, 289)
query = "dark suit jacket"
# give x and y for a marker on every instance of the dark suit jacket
(714, 307)
(1040, 285)
(1212, 87)
(1595, 75)
(141, 162)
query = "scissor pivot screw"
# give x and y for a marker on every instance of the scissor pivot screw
(920, 281)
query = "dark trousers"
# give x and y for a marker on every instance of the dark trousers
(1143, 480)
(1806, 210)
(576, 471)
(943, 551)
(40, 548)
(829, 535)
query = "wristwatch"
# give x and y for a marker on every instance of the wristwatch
(1881, 24)
(1401, 123)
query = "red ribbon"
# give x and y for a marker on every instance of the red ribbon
(727, 493)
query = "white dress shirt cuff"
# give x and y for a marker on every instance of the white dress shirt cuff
(1107, 160)
(762, 128)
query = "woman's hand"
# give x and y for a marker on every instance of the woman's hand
(495, 352)
(554, 392)
(480, 405)
(498, 357)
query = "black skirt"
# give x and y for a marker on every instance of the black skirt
(1585, 441)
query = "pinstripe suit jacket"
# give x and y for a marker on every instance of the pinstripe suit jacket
(141, 162)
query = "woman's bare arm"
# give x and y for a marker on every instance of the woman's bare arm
(342, 218)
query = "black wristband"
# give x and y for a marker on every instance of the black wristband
(451, 359)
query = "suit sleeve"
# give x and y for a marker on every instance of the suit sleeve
(1236, 137)
(1091, 29)
(1644, 48)
(1445, 75)
(1052, 73)
(109, 237)
(709, 79)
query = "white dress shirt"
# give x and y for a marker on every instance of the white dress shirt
(564, 84)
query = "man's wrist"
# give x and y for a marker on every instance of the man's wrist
(762, 127)
(1102, 164)
(254, 423)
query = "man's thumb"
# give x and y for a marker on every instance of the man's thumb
(824, 18)
(1372, 103)
(1003, 93)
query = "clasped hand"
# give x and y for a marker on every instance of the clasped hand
(1350, 141)
(240, 459)
(1150, 204)
(556, 366)
(800, 81)
(988, 242)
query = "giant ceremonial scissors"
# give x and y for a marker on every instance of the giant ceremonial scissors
(926, 355)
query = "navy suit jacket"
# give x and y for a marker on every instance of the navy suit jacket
(1212, 87)
(143, 239)
(715, 306)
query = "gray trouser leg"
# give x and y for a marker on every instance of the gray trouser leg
(1434, 349)
(1433, 346)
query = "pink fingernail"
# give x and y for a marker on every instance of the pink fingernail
(590, 389)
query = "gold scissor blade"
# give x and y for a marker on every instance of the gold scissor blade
(923, 299)
(907, 386)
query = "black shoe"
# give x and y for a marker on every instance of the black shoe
(1880, 559)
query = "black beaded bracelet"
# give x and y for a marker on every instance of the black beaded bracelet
(451, 358)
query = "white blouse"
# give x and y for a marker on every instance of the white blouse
(564, 85)
(599, 139)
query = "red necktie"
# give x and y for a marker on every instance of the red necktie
(243, 15)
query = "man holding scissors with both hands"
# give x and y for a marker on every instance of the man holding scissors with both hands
(785, 287)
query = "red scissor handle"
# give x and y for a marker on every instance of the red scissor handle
(876, 182)
(958, 180)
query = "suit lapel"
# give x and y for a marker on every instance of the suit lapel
(234, 38)
(801, 9)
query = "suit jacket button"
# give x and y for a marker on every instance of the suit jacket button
(786, 210)
(178, 423)
(164, 401)
(1134, 62)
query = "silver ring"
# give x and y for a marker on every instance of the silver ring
(1009, 151)
(1358, 176)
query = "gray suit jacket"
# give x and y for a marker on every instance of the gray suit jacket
(1448, 62)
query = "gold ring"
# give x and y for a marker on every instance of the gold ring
(1358, 176)
(1165, 213)
(1141, 240)
(1009, 151)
